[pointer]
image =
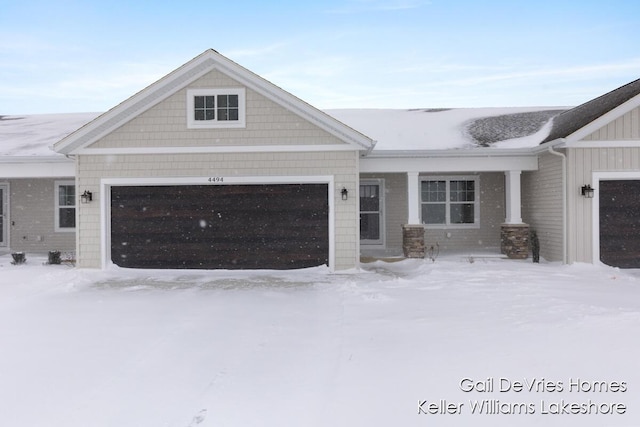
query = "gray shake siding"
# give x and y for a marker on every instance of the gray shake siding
(492, 215)
(542, 206)
(452, 239)
(32, 216)
(395, 209)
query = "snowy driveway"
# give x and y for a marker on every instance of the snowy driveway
(393, 344)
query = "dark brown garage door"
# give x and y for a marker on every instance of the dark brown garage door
(620, 223)
(275, 226)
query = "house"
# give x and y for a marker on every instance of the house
(214, 167)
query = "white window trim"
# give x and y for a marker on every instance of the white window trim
(448, 178)
(7, 214)
(57, 227)
(215, 124)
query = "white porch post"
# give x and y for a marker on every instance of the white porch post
(413, 197)
(513, 197)
(514, 234)
(413, 232)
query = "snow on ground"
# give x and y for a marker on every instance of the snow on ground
(381, 346)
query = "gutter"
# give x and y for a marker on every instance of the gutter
(34, 159)
(463, 152)
(563, 157)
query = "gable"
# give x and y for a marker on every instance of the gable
(156, 117)
(578, 122)
(267, 123)
(624, 128)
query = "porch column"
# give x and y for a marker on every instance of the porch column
(413, 196)
(513, 197)
(514, 234)
(413, 231)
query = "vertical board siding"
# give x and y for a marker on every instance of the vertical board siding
(542, 205)
(582, 162)
(625, 127)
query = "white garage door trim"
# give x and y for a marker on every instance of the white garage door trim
(595, 206)
(107, 183)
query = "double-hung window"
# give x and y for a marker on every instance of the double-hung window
(216, 108)
(65, 206)
(450, 201)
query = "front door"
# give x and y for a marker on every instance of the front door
(4, 212)
(371, 208)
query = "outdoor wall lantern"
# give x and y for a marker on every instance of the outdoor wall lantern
(587, 191)
(345, 193)
(86, 197)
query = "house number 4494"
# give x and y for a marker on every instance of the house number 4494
(216, 179)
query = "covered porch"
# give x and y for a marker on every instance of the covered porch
(423, 205)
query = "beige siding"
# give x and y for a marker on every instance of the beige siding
(625, 127)
(582, 162)
(165, 125)
(32, 210)
(342, 165)
(492, 215)
(542, 206)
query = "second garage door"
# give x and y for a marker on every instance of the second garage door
(620, 223)
(271, 226)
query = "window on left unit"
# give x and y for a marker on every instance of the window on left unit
(65, 211)
(216, 108)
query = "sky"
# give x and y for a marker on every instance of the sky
(68, 56)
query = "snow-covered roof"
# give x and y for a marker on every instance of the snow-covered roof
(418, 129)
(445, 129)
(34, 135)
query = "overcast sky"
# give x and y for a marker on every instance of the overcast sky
(88, 56)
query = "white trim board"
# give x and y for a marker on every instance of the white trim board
(218, 149)
(5, 201)
(604, 119)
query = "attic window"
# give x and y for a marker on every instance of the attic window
(216, 108)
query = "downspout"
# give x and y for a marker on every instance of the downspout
(564, 201)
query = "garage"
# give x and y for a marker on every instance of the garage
(248, 226)
(620, 223)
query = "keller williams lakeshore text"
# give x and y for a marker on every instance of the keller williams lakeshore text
(590, 397)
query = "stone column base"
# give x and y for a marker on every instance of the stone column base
(514, 240)
(413, 241)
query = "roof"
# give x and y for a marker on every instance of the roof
(394, 129)
(186, 74)
(34, 135)
(569, 122)
(446, 129)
